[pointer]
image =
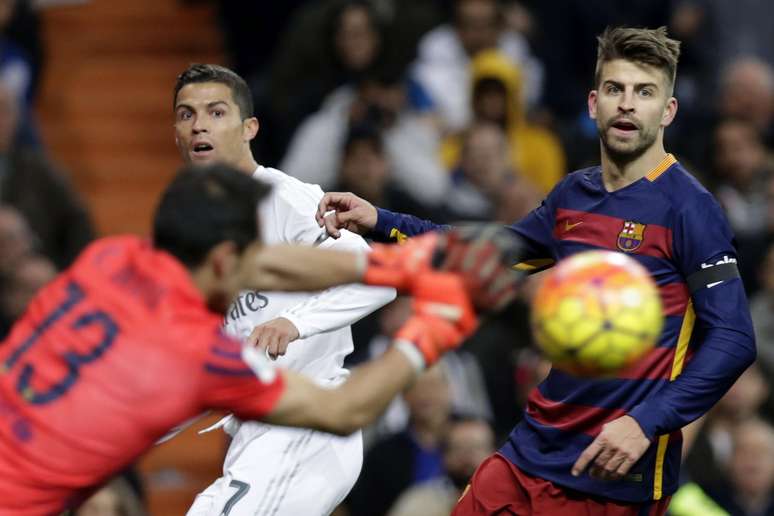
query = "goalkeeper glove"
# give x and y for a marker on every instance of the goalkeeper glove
(442, 318)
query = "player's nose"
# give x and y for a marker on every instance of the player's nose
(626, 104)
(199, 125)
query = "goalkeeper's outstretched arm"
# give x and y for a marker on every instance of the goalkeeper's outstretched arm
(481, 255)
(442, 317)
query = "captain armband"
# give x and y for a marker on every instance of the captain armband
(713, 274)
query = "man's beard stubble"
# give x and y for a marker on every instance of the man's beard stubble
(625, 156)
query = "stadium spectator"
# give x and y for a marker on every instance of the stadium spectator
(467, 382)
(16, 237)
(754, 248)
(709, 456)
(366, 170)
(534, 152)
(341, 40)
(411, 140)
(330, 43)
(116, 498)
(747, 92)
(467, 443)
(17, 71)
(29, 181)
(16, 243)
(762, 309)
(445, 53)
(412, 455)
(743, 168)
(516, 199)
(22, 281)
(731, 29)
(482, 173)
(750, 488)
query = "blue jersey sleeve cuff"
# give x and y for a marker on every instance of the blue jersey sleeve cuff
(646, 417)
(385, 222)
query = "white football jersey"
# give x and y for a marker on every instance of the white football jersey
(322, 318)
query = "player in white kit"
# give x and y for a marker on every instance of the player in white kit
(268, 469)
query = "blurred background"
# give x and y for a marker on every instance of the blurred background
(447, 109)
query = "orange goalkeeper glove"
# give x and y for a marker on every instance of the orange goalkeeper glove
(443, 317)
(396, 265)
(481, 254)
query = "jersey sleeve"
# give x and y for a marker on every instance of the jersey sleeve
(339, 306)
(394, 227)
(536, 231)
(238, 379)
(295, 205)
(722, 333)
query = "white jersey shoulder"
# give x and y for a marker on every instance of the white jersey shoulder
(287, 215)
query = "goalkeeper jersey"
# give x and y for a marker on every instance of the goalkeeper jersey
(107, 358)
(670, 224)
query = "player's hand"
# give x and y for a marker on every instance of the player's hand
(442, 315)
(273, 336)
(611, 455)
(350, 212)
(481, 254)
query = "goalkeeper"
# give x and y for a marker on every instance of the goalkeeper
(127, 343)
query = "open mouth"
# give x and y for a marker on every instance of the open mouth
(625, 126)
(202, 149)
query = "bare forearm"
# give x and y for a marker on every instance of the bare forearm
(369, 390)
(301, 268)
(342, 410)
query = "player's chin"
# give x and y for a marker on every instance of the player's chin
(202, 158)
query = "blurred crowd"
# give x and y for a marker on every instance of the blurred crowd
(452, 110)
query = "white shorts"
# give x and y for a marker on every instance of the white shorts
(276, 471)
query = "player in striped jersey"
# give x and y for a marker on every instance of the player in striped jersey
(612, 446)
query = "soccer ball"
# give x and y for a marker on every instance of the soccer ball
(596, 313)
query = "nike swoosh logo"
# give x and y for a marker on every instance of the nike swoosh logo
(569, 227)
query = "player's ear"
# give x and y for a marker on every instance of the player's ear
(592, 103)
(223, 259)
(250, 128)
(670, 111)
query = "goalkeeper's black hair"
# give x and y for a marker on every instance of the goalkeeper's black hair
(204, 206)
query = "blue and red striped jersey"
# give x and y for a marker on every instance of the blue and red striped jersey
(674, 227)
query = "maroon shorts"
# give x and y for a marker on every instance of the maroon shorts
(499, 487)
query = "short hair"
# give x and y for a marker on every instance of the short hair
(363, 133)
(643, 46)
(197, 73)
(204, 206)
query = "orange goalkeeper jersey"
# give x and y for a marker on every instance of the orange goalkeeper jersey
(108, 357)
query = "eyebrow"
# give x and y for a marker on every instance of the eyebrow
(637, 86)
(210, 105)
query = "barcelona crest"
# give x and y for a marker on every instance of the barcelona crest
(631, 236)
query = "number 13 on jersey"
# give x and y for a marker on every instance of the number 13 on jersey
(83, 326)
